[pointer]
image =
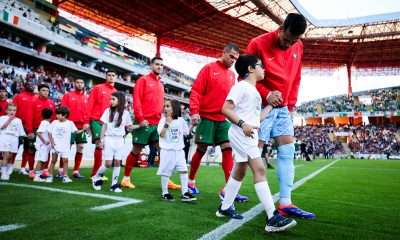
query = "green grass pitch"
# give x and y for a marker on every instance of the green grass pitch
(353, 199)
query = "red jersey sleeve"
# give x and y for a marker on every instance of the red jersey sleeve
(294, 91)
(65, 100)
(91, 102)
(137, 102)
(198, 89)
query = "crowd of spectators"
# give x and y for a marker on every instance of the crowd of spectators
(381, 100)
(368, 139)
(372, 139)
(318, 141)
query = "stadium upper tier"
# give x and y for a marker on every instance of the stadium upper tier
(373, 101)
(205, 26)
(96, 49)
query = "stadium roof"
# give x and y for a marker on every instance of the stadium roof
(205, 26)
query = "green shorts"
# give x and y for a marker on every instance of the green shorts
(95, 128)
(212, 132)
(145, 135)
(78, 138)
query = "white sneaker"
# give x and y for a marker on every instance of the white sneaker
(37, 178)
(96, 183)
(49, 179)
(116, 188)
(66, 179)
(24, 171)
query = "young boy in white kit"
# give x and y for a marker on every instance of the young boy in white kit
(116, 120)
(10, 130)
(243, 107)
(60, 131)
(171, 128)
(42, 144)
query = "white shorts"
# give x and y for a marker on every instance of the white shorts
(42, 152)
(63, 152)
(243, 147)
(8, 143)
(171, 160)
(113, 148)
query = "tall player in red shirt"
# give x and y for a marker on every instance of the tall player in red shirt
(148, 101)
(76, 101)
(23, 101)
(281, 52)
(99, 100)
(207, 97)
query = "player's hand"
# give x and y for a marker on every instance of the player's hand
(248, 130)
(47, 143)
(195, 119)
(144, 123)
(275, 98)
(31, 135)
(85, 127)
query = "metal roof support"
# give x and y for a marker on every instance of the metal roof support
(158, 46)
(350, 89)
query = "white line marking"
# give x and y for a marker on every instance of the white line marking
(11, 227)
(227, 228)
(121, 201)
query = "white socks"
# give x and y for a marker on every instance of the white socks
(231, 190)
(115, 175)
(265, 197)
(164, 184)
(184, 183)
(101, 170)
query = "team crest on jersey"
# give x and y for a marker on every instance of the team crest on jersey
(295, 55)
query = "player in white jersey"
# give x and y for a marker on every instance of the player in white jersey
(115, 121)
(60, 131)
(171, 128)
(10, 130)
(42, 145)
(243, 107)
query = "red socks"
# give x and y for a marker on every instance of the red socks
(130, 162)
(25, 157)
(78, 160)
(227, 162)
(97, 160)
(195, 163)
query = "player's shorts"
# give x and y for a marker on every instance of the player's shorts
(29, 143)
(277, 123)
(78, 138)
(243, 148)
(212, 132)
(95, 128)
(170, 161)
(8, 143)
(113, 148)
(62, 152)
(145, 135)
(42, 152)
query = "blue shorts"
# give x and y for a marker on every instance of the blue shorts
(277, 123)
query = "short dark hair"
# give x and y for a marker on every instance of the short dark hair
(43, 85)
(110, 71)
(46, 113)
(231, 46)
(64, 111)
(295, 23)
(155, 58)
(2, 88)
(176, 109)
(76, 79)
(243, 62)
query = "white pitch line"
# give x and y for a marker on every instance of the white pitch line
(233, 224)
(121, 201)
(11, 227)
